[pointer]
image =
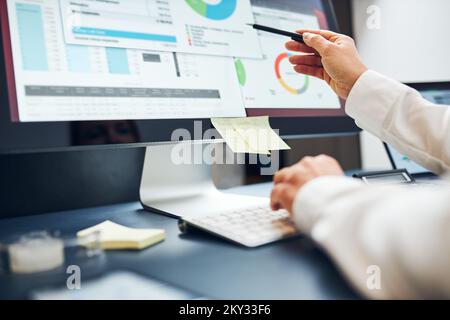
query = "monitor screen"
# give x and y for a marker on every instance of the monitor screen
(271, 86)
(91, 60)
(76, 70)
(437, 96)
(403, 162)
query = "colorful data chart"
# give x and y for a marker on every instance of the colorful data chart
(220, 11)
(280, 78)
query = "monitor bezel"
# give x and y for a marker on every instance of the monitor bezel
(289, 128)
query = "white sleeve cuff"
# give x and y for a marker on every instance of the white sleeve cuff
(311, 201)
(371, 100)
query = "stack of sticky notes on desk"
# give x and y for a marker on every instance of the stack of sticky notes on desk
(113, 236)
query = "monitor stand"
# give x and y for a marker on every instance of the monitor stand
(181, 190)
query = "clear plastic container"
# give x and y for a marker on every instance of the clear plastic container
(44, 251)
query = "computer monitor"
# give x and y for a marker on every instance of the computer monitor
(128, 73)
(94, 74)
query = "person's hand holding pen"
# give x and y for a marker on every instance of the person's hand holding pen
(336, 59)
(333, 58)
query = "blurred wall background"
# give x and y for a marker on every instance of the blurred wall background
(411, 43)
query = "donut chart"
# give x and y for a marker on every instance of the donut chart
(283, 83)
(221, 11)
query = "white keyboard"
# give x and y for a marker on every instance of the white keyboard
(251, 227)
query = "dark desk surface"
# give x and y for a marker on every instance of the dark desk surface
(293, 269)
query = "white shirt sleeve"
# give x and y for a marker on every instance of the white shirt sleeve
(398, 115)
(390, 242)
(401, 233)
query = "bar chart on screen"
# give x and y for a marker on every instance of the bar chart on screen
(32, 39)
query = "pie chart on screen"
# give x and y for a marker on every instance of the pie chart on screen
(287, 77)
(213, 9)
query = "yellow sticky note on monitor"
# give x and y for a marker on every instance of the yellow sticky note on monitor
(230, 133)
(257, 131)
(249, 135)
(113, 236)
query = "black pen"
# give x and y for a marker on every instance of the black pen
(294, 36)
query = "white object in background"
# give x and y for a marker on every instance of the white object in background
(36, 252)
(119, 286)
(373, 153)
(411, 44)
